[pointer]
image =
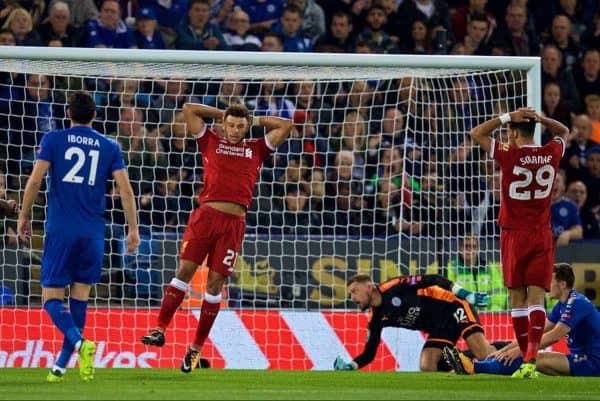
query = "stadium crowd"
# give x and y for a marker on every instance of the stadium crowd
(353, 165)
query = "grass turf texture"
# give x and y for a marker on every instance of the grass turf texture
(171, 384)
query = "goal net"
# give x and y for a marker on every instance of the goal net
(379, 176)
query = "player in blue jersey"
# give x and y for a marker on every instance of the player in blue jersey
(80, 161)
(573, 316)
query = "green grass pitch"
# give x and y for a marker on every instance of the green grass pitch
(171, 384)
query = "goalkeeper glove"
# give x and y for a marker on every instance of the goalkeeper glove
(340, 364)
(481, 299)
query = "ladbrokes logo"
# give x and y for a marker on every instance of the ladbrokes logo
(35, 356)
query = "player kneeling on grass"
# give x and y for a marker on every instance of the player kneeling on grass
(573, 316)
(429, 303)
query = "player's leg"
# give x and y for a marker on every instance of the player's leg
(221, 262)
(538, 279)
(198, 239)
(430, 358)
(513, 271)
(553, 363)
(55, 274)
(479, 345)
(172, 299)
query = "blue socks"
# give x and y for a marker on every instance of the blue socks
(495, 367)
(64, 321)
(78, 311)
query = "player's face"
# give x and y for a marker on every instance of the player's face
(235, 128)
(555, 290)
(361, 294)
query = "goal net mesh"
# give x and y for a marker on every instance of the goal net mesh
(379, 176)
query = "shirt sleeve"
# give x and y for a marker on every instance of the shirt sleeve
(45, 149)
(264, 147)
(373, 340)
(500, 152)
(576, 311)
(554, 315)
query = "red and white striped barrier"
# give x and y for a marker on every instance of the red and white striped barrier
(240, 339)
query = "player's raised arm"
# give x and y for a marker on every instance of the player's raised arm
(195, 113)
(128, 201)
(481, 133)
(40, 168)
(556, 127)
(278, 129)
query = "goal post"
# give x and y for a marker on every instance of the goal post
(379, 176)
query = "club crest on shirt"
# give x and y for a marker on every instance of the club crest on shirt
(396, 301)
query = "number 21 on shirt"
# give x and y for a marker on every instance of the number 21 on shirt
(77, 154)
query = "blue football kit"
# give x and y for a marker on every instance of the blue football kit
(81, 162)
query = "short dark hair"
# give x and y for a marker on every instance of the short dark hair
(564, 272)
(477, 16)
(193, 2)
(359, 278)
(525, 128)
(237, 110)
(82, 107)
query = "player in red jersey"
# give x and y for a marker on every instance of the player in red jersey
(216, 229)
(526, 244)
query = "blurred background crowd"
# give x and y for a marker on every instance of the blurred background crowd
(366, 157)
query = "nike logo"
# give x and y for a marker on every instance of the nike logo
(185, 367)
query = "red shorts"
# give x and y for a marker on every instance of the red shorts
(216, 234)
(527, 257)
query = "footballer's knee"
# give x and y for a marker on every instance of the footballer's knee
(186, 270)
(215, 282)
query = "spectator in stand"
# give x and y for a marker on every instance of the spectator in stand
(554, 107)
(295, 216)
(392, 126)
(592, 109)
(196, 32)
(592, 183)
(290, 28)
(475, 39)
(168, 13)
(272, 42)
(58, 26)
(237, 35)
(515, 36)
(34, 110)
(580, 15)
(552, 70)
(313, 18)
(174, 92)
(7, 38)
(109, 30)
(142, 150)
(20, 24)
(231, 90)
(147, 35)
(8, 208)
(564, 216)
(80, 11)
(373, 33)
(272, 100)
(587, 74)
(462, 16)
(340, 37)
(561, 38)
(574, 161)
(577, 192)
(419, 41)
(263, 13)
(591, 39)
(472, 272)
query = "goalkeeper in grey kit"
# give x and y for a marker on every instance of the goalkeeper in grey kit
(429, 303)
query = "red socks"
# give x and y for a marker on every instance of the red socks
(537, 321)
(208, 313)
(520, 321)
(172, 298)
